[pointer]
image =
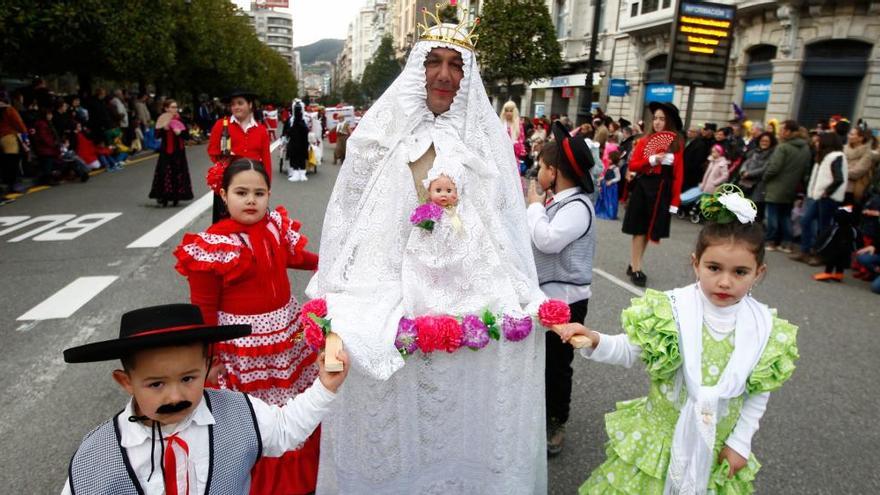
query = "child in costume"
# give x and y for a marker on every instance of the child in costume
(717, 170)
(563, 239)
(174, 436)
(606, 205)
(237, 273)
(450, 243)
(713, 353)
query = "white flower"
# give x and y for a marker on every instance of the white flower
(744, 209)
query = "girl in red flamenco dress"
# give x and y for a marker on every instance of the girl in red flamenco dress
(237, 273)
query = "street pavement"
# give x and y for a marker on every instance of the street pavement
(816, 437)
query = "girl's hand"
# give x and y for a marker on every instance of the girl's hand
(735, 460)
(332, 381)
(533, 196)
(630, 176)
(569, 330)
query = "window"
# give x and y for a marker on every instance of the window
(649, 6)
(634, 10)
(667, 3)
(561, 14)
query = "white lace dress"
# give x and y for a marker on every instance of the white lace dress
(470, 422)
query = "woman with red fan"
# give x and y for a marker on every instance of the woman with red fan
(656, 172)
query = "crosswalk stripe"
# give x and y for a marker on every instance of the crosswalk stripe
(168, 228)
(68, 300)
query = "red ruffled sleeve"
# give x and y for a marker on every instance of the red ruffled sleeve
(297, 255)
(219, 254)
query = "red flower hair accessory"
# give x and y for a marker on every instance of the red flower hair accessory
(215, 176)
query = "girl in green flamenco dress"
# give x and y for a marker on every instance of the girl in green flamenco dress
(713, 354)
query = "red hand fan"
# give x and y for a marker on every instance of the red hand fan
(658, 143)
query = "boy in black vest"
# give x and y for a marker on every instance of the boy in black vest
(563, 242)
(174, 436)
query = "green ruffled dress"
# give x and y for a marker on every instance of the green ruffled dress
(640, 431)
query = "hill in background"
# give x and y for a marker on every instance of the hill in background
(322, 50)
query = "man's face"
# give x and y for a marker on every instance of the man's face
(166, 382)
(444, 70)
(707, 133)
(720, 136)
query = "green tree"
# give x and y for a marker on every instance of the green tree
(352, 93)
(381, 71)
(517, 41)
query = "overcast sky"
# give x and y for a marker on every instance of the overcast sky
(318, 19)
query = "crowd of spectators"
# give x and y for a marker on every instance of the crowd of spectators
(817, 190)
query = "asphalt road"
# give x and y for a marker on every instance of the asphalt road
(816, 437)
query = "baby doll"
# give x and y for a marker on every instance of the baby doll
(451, 247)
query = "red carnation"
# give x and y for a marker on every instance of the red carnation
(450, 333)
(554, 312)
(313, 333)
(438, 333)
(316, 306)
(215, 176)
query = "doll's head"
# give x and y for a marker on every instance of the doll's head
(444, 183)
(443, 191)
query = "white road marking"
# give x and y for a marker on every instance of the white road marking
(168, 228)
(7, 221)
(274, 146)
(66, 301)
(76, 227)
(616, 281)
(53, 221)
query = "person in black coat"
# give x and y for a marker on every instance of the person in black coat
(695, 155)
(297, 133)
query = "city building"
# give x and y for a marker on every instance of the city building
(275, 29)
(802, 59)
(298, 73)
(342, 70)
(405, 15)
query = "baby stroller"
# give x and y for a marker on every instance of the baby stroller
(689, 209)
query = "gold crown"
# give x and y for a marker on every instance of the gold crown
(434, 29)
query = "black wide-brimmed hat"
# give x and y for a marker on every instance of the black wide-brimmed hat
(624, 123)
(710, 126)
(671, 112)
(247, 95)
(157, 326)
(576, 153)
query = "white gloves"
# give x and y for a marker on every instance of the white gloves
(664, 159)
(673, 209)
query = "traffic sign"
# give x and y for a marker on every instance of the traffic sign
(702, 37)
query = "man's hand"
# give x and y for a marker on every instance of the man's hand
(533, 196)
(332, 381)
(867, 250)
(735, 460)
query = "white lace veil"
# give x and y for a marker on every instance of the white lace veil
(366, 226)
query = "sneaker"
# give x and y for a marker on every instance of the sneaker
(785, 248)
(629, 270)
(771, 246)
(555, 438)
(801, 257)
(639, 279)
(825, 277)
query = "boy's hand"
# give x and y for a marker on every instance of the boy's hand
(332, 381)
(533, 196)
(735, 460)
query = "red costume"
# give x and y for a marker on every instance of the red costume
(253, 144)
(238, 275)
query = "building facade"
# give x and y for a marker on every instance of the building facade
(275, 29)
(801, 59)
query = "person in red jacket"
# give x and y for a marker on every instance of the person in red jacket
(237, 272)
(46, 146)
(239, 135)
(655, 184)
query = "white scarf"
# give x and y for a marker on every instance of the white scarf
(691, 459)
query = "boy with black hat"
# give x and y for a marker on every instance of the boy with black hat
(563, 242)
(174, 436)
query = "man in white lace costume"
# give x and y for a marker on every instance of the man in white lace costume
(469, 422)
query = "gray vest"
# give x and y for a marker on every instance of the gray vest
(574, 265)
(100, 466)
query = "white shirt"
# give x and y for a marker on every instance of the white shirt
(721, 322)
(250, 122)
(281, 429)
(551, 237)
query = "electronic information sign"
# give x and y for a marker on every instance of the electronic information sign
(702, 36)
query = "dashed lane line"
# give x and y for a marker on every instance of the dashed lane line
(618, 282)
(180, 220)
(68, 300)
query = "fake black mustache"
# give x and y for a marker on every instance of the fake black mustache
(174, 408)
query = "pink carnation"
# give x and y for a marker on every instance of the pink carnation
(316, 306)
(313, 333)
(554, 312)
(438, 333)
